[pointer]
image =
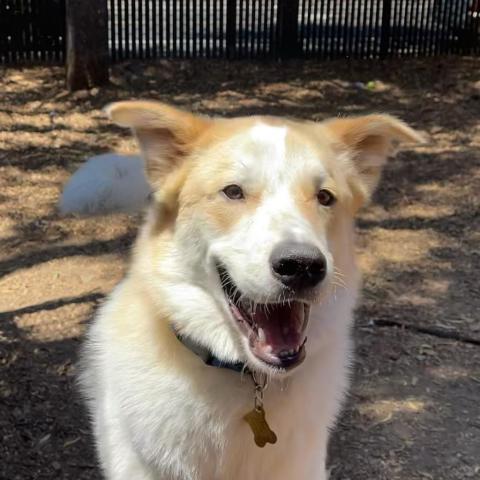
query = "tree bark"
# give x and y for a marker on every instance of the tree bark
(87, 43)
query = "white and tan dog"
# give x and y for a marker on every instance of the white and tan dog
(245, 269)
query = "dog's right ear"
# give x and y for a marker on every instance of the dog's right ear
(166, 135)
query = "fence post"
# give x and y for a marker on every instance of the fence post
(87, 43)
(287, 24)
(386, 30)
(231, 28)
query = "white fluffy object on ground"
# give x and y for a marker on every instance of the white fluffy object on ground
(108, 183)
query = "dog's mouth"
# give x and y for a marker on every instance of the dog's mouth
(275, 331)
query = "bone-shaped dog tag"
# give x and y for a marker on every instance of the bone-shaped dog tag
(262, 434)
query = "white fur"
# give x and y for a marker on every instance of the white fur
(107, 183)
(158, 411)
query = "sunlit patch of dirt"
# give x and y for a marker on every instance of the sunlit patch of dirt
(405, 247)
(384, 410)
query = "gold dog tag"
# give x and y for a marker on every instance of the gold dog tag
(262, 434)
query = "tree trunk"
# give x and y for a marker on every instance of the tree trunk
(87, 43)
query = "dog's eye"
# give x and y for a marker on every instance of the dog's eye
(234, 192)
(325, 198)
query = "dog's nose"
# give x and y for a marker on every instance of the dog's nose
(298, 265)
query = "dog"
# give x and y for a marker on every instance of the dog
(224, 353)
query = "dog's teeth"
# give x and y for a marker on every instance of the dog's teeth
(261, 335)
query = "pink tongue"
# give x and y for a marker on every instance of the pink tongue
(282, 324)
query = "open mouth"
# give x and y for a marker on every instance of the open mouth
(275, 331)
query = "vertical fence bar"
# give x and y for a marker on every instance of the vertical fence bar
(127, 29)
(266, 9)
(341, 30)
(352, 38)
(214, 29)
(255, 30)
(437, 16)
(368, 29)
(174, 27)
(307, 41)
(416, 38)
(119, 19)
(399, 28)
(441, 20)
(411, 9)
(258, 29)
(334, 32)
(26, 33)
(112, 16)
(149, 29)
(142, 29)
(422, 31)
(431, 32)
(462, 27)
(315, 30)
(448, 41)
(431, 29)
(194, 28)
(327, 31)
(15, 47)
(201, 29)
(363, 29)
(154, 29)
(206, 26)
(134, 29)
(168, 29)
(454, 28)
(393, 29)
(321, 30)
(240, 27)
(376, 31)
(386, 28)
(287, 21)
(181, 29)
(473, 26)
(273, 29)
(246, 28)
(231, 28)
(41, 38)
(189, 19)
(251, 28)
(350, 6)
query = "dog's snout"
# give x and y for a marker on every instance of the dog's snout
(298, 265)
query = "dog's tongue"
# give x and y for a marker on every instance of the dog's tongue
(280, 326)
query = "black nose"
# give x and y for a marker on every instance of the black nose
(298, 265)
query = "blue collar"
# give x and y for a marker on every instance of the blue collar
(208, 357)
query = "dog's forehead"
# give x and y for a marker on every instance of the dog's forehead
(271, 150)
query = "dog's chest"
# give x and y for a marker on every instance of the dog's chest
(218, 443)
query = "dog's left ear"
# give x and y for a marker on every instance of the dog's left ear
(369, 141)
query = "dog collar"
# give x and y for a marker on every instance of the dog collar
(262, 433)
(208, 357)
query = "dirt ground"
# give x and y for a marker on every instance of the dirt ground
(414, 410)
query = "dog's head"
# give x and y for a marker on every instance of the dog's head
(260, 210)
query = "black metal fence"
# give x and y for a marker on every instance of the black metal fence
(34, 30)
